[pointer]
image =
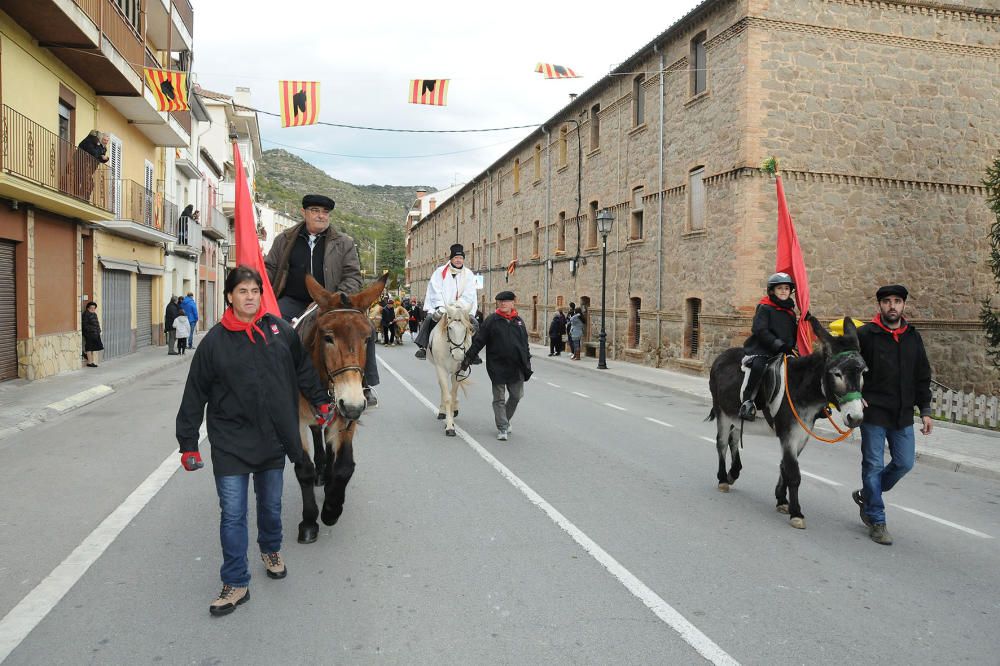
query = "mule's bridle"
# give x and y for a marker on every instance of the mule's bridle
(447, 332)
(347, 368)
(841, 399)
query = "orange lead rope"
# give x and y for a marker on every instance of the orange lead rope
(788, 396)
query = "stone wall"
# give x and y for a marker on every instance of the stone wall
(48, 355)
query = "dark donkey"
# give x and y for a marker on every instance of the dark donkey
(831, 374)
(335, 334)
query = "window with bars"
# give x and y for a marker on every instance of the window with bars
(634, 326)
(693, 333)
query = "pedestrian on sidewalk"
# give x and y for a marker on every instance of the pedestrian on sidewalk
(898, 379)
(183, 329)
(557, 329)
(191, 311)
(576, 326)
(250, 369)
(91, 328)
(168, 325)
(508, 360)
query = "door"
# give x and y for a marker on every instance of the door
(8, 313)
(143, 311)
(116, 313)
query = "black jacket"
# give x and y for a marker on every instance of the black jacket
(898, 376)
(91, 326)
(773, 330)
(507, 357)
(169, 315)
(252, 393)
(558, 326)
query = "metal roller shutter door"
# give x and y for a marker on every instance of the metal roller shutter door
(116, 313)
(144, 311)
(8, 313)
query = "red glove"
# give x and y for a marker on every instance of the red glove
(325, 414)
(191, 460)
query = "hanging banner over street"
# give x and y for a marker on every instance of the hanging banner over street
(299, 103)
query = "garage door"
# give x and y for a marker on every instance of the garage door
(116, 313)
(143, 311)
(8, 313)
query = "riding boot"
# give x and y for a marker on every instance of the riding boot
(748, 410)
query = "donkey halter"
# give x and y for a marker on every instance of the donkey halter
(447, 332)
(347, 368)
(841, 399)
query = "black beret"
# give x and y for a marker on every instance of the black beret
(318, 200)
(891, 290)
(457, 251)
(506, 296)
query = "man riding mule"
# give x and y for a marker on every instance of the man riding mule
(335, 334)
(453, 282)
(807, 385)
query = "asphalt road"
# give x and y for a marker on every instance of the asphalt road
(595, 535)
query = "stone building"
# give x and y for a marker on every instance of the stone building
(883, 116)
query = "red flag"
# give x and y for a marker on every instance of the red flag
(247, 245)
(789, 260)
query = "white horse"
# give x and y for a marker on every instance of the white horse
(450, 339)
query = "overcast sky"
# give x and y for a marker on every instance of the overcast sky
(365, 53)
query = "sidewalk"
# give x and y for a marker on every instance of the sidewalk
(955, 447)
(25, 404)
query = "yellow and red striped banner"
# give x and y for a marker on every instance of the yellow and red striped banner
(299, 102)
(429, 91)
(555, 71)
(170, 88)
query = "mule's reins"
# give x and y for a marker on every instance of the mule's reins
(847, 397)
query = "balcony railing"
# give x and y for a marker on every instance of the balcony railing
(216, 224)
(135, 203)
(34, 153)
(121, 31)
(189, 232)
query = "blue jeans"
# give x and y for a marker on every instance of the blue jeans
(232, 491)
(876, 476)
(191, 337)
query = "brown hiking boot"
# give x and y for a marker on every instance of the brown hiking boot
(274, 564)
(860, 501)
(229, 599)
(880, 534)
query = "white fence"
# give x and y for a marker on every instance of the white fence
(965, 407)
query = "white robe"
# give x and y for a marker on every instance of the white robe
(444, 289)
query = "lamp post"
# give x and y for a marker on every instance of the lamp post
(605, 220)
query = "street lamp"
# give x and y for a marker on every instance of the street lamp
(605, 220)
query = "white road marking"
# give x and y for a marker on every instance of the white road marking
(662, 423)
(620, 409)
(33, 608)
(687, 631)
(582, 395)
(820, 478)
(928, 516)
(553, 385)
(708, 439)
(81, 398)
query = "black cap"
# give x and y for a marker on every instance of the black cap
(891, 290)
(506, 296)
(318, 200)
(457, 251)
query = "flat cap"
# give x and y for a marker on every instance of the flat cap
(891, 290)
(506, 296)
(318, 200)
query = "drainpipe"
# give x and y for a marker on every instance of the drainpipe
(489, 240)
(659, 220)
(548, 218)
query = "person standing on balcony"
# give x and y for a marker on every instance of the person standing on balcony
(316, 248)
(191, 310)
(95, 145)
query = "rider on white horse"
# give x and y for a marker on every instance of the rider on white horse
(450, 283)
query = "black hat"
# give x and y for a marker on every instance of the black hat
(318, 200)
(457, 251)
(506, 296)
(891, 290)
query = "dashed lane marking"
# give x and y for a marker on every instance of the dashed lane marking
(708, 439)
(662, 423)
(820, 478)
(582, 395)
(664, 611)
(620, 409)
(967, 530)
(553, 385)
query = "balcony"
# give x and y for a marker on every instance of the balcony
(186, 164)
(188, 237)
(141, 214)
(38, 167)
(170, 24)
(215, 224)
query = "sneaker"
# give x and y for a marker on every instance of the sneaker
(502, 435)
(748, 411)
(860, 501)
(274, 564)
(880, 534)
(421, 353)
(371, 397)
(229, 599)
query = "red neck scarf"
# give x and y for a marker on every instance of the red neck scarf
(509, 316)
(767, 301)
(231, 323)
(897, 332)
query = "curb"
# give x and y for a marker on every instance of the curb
(953, 465)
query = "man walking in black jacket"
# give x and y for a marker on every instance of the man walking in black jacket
(249, 369)
(898, 378)
(508, 361)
